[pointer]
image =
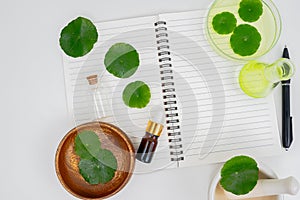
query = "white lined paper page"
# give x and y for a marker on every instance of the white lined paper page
(217, 119)
(139, 33)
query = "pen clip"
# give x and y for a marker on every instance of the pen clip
(291, 128)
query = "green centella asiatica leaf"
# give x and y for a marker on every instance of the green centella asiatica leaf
(87, 144)
(136, 94)
(245, 40)
(99, 170)
(122, 60)
(78, 37)
(96, 165)
(250, 10)
(224, 23)
(239, 175)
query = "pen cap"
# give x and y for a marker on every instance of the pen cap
(285, 53)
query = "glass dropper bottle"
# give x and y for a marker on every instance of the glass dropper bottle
(149, 142)
(95, 108)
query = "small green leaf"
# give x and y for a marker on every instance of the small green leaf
(122, 60)
(78, 37)
(224, 23)
(100, 170)
(239, 175)
(245, 40)
(136, 94)
(250, 10)
(87, 144)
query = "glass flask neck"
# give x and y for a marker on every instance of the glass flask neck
(280, 70)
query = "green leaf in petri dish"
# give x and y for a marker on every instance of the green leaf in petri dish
(224, 23)
(245, 40)
(136, 94)
(78, 37)
(96, 165)
(250, 10)
(99, 170)
(122, 60)
(239, 175)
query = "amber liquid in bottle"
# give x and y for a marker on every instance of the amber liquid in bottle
(147, 148)
(149, 142)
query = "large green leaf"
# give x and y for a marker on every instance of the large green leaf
(250, 10)
(87, 144)
(245, 40)
(224, 23)
(122, 60)
(98, 170)
(96, 165)
(239, 175)
(136, 94)
(78, 37)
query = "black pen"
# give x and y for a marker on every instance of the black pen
(287, 129)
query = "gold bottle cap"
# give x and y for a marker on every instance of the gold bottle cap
(154, 128)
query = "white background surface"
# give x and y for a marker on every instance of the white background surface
(33, 108)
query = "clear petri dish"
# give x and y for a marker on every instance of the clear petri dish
(268, 25)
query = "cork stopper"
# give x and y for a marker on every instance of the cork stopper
(92, 79)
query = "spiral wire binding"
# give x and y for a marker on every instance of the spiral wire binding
(169, 93)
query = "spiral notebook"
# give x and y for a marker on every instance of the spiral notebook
(207, 117)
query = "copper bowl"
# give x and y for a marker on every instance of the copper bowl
(66, 161)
